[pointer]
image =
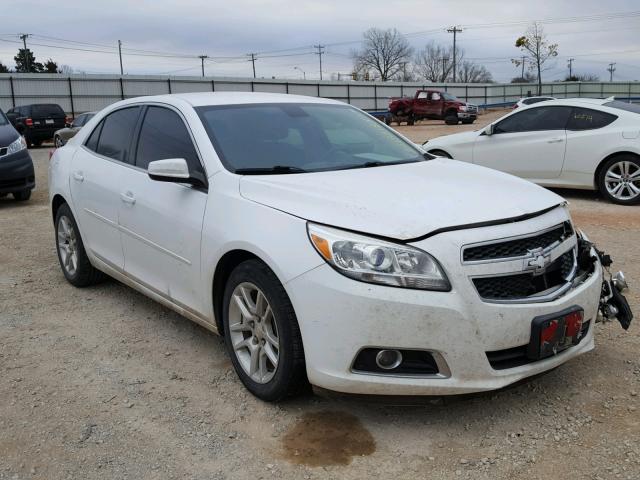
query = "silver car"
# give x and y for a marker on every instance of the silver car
(62, 136)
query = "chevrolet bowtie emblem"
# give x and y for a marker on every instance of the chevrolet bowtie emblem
(536, 260)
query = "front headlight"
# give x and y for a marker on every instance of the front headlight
(17, 145)
(376, 261)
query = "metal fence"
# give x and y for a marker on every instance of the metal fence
(82, 93)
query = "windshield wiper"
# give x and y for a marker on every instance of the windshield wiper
(275, 170)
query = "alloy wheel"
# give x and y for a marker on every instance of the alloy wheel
(253, 332)
(67, 245)
(622, 180)
(58, 142)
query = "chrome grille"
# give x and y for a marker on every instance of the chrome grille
(518, 247)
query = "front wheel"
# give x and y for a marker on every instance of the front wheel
(73, 258)
(451, 119)
(619, 180)
(262, 334)
(58, 142)
(22, 195)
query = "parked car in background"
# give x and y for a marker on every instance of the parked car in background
(525, 101)
(431, 104)
(37, 122)
(62, 136)
(324, 246)
(574, 143)
(17, 176)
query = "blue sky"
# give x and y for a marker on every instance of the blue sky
(226, 31)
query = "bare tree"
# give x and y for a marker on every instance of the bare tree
(528, 78)
(383, 51)
(536, 47)
(470, 72)
(433, 62)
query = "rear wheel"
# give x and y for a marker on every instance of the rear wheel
(73, 258)
(58, 141)
(22, 195)
(262, 334)
(619, 180)
(411, 120)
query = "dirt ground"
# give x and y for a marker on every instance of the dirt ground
(105, 383)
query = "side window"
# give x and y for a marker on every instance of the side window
(115, 136)
(588, 119)
(422, 95)
(92, 141)
(535, 119)
(79, 121)
(435, 96)
(164, 135)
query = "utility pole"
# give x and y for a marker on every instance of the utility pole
(120, 55)
(454, 30)
(570, 62)
(319, 53)
(611, 69)
(444, 68)
(202, 57)
(23, 37)
(253, 62)
(524, 59)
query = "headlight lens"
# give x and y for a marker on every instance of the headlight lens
(17, 145)
(376, 261)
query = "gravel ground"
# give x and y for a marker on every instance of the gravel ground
(104, 383)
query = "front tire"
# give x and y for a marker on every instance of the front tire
(451, 119)
(72, 256)
(262, 334)
(22, 195)
(619, 180)
(58, 142)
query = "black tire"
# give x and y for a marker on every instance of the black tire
(411, 121)
(58, 142)
(440, 153)
(290, 374)
(387, 119)
(22, 195)
(602, 174)
(451, 118)
(85, 274)
(36, 143)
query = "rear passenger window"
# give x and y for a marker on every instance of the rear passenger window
(92, 141)
(164, 135)
(115, 136)
(588, 119)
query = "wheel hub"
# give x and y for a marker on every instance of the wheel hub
(622, 180)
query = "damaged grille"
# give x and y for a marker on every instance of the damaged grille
(518, 247)
(523, 285)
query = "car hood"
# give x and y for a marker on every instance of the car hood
(455, 138)
(8, 134)
(402, 202)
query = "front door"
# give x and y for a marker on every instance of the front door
(529, 143)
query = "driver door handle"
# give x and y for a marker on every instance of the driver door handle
(555, 140)
(78, 176)
(128, 197)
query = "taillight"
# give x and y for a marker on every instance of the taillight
(68, 120)
(29, 122)
(515, 106)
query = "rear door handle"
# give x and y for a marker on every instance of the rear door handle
(555, 140)
(127, 197)
(78, 176)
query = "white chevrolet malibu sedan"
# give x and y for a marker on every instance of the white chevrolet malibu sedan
(584, 143)
(325, 247)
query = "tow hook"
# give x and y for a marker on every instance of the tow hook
(613, 304)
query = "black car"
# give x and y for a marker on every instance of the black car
(16, 167)
(37, 122)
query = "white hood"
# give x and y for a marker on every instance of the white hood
(454, 139)
(400, 201)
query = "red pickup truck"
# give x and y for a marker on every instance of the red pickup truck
(431, 104)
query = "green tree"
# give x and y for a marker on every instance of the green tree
(536, 47)
(4, 68)
(51, 67)
(26, 62)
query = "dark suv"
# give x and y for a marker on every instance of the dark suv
(37, 122)
(16, 168)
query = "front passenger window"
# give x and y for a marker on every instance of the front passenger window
(164, 135)
(535, 119)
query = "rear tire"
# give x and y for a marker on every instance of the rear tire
(263, 330)
(619, 180)
(58, 142)
(72, 256)
(22, 195)
(411, 121)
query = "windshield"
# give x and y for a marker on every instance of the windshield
(449, 97)
(47, 110)
(292, 138)
(3, 118)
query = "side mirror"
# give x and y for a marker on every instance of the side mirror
(173, 170)
(488, 130)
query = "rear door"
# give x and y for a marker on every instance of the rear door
(530, 143)
(97, 172)
(161, 222)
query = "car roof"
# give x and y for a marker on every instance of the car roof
(201, 99)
